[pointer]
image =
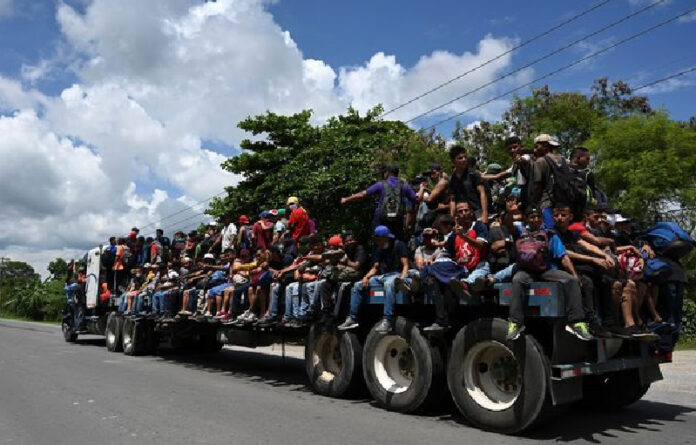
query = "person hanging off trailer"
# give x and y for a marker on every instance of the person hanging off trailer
(548, 221)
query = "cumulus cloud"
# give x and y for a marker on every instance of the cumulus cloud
(155, 80)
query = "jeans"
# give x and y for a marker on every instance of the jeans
(571, 292)
(505, 275)
(239, 291)
(482, 270)
(673, 292)
(123, 305)
(301, 300)
(277, 292)
(159, 302)
(139, 303)
(387, 282)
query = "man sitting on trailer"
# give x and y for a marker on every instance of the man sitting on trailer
(468, 248)
(540, 252)
(390, 261)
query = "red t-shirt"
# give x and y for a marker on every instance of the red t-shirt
(299, 218)
(263, 233)
(578, 227)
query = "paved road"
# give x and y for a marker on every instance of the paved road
(55, 393)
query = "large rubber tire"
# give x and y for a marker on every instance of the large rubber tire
(402, 370)
(114, 330)
(333, 362)
(69, 334)
(208, 343)
(134, 337)
(498, 386)
(613, 391)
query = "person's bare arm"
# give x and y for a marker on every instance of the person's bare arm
(354, 197)
(484, 203)
(597, 251)
(568, 264)
(404, 267)
(597, 240)
(439, 189)
(495, 177)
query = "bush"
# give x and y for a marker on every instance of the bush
(34, 299)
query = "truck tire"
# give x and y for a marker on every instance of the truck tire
(133, 337)
(114, 329)
(402, 370)
(613, 391)
(208, 343)
(69, 333)
(498, 386)
(333, 362)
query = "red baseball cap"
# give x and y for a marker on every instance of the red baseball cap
(336, 241)
(244, 219)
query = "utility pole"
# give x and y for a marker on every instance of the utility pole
(2, 276)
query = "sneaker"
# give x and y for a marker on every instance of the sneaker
(642, 334)
(348, 324)
(597, 330)
(479, 285)
(208, 314)
(251, 318)
(384, 327)
(225, 317)
(266, 320)
(460, 289)
(434, 328)
(514, 331)
(580, 330)
(219, 315)
(618, 331)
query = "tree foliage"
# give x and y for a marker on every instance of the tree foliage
(23, 294)
(320, 164)
(58, 269)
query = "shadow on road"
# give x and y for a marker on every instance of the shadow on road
(253, 366)
(596, 426)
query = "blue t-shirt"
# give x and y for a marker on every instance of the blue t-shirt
(407, 192)
(556, 251)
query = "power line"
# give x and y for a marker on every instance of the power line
(489, 61)
(183, 210)
(535, 61)
(565, 67)
(664, 79)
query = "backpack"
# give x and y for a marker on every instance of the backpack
(657, 270)
(155, 251)
(569, 186)
(532, 251)
(670, 240)
(128, 259)
(631, 266)
(108, 258)
(392, 208)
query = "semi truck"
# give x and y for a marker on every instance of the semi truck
(501, 386)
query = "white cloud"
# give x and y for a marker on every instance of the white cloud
(691, 17)
(6, 8)
(154, 80)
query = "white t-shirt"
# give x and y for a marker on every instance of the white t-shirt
(228, 234)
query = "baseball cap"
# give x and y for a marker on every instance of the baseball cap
(281, 212)
(244, 219)
(435, 167)
(619, 218)
(336, 241)
(273, 212)
(293, 200)
(546, 138)
(213, 223)
(532, 210)
(383, 231)
(208, 256)
(494, 168)
(146, 266)
(264, 214)
(429, 231)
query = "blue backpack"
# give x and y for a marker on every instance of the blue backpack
(670, 240)
(656, 269)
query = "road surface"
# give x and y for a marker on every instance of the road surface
(54, 393)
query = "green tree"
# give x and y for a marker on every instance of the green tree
(320, 164)
(58, 268)
(646, 165)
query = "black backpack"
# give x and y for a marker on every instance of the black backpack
(392, 208)
(569, 186)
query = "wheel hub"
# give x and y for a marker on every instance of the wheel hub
(326, 356)
(394, 364)
(492, 376)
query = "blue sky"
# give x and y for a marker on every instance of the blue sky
(143, 97)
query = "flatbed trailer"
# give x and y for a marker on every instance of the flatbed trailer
(497, 385)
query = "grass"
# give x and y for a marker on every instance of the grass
(686, 344)
(15, 317)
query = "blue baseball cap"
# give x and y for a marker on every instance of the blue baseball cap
(383, 231)
(264, 214)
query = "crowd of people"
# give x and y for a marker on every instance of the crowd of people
(448, 235)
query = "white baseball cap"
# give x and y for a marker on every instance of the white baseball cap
(546, 138)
